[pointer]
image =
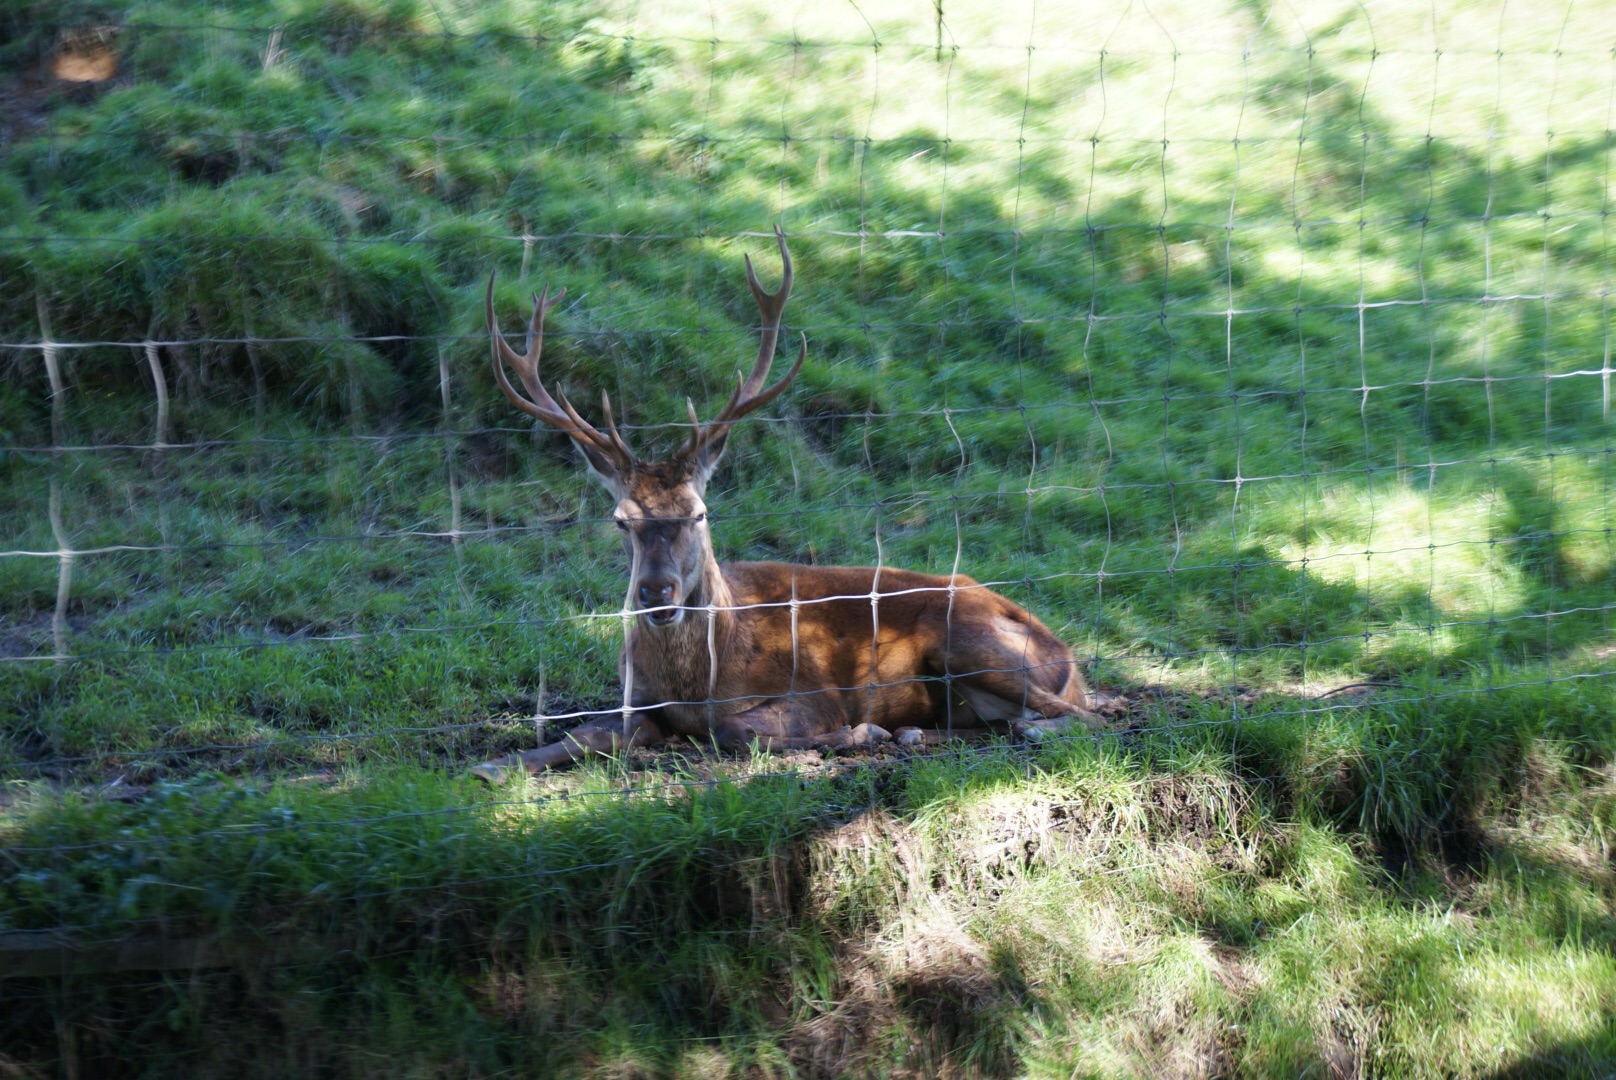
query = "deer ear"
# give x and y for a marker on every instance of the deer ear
(603, 469)
(706, 460)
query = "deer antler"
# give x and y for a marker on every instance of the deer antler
(540, 404)
(748, 395)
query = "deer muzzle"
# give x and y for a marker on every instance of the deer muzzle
(659, 600)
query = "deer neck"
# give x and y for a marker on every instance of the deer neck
(682, 661)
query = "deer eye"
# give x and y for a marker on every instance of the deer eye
(699, 517)
(621, 524)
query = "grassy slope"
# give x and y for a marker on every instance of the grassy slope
(1416, 883)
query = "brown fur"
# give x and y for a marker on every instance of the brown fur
(833, 677)
(777, 654)
(925, 655)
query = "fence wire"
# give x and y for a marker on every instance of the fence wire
(1151, 333)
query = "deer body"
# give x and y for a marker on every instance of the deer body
(785, 655)
(847, 663)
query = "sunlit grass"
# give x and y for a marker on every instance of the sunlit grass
(1390, 542)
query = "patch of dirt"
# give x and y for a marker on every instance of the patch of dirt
(1176, 806)
(31, 637)
(1230, 969)
(279, 627)
(931, 991)
(508, 727)
(1200, 816)
(1346, 1045)
(931, 995)
(83, 64)
(86, 58)
(1179, 1044)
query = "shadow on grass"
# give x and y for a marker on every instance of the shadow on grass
(1589, 1058)
(832, 922)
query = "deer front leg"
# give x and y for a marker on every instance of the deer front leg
(769, 727)
(600, 736)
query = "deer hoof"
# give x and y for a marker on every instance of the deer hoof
(494, 772)
(868, 735)
(1030, 730)
(909, 736)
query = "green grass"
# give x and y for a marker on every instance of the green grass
(1256, 352)
(1278, 899)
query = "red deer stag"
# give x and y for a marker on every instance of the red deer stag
(774, 654)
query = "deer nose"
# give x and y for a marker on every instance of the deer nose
(656, 593)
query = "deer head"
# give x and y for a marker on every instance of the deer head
(659, 512)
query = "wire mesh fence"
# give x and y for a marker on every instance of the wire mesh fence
(1261, 357)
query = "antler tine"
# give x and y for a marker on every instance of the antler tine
(757, 401)
(749, 394)
(503, 354)
(736, 409)
(575, 425)
(527, 365)
(771, 306)
(611, 427)
(541, 404)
